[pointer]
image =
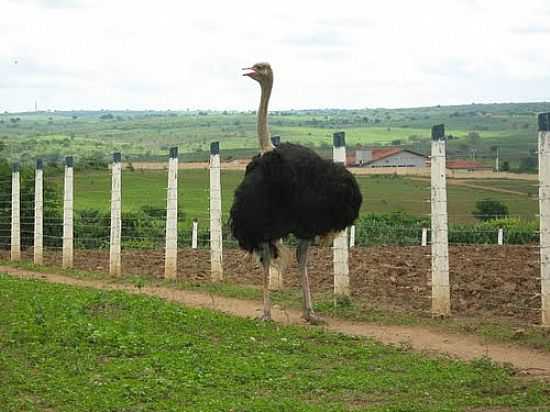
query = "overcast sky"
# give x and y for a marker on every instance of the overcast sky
(70, 54)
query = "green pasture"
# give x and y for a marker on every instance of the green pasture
(149, 134)
(528, 187)
(69, 349)
(381, 193)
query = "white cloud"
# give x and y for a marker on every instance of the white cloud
(170, 54)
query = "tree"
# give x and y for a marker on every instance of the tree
(464, 147)
(505, 166)
(474, 138)
(528, 164)
(489, 209)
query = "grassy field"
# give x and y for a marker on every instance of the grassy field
(149, 134)
(529, 188)
(382, 194)
(69, 349)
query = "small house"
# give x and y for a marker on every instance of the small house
(388, 157)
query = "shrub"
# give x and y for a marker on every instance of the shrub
(487, 209)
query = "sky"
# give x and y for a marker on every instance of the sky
(118, 55)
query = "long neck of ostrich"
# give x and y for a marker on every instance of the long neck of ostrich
(263, 130)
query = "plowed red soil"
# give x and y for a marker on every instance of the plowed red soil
(486, 281)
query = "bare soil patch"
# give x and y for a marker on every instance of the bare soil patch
(488, 282)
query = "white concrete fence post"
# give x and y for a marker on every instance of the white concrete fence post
(115, 263)
(68, 200)
(544, 213)
(441, 296)
(340, 245)
(216, 252)
(424, 241)
(171, 251)
(352, 236)
(500, 237)
(38, 244)
(275, 275)
(195, 234)
(15, 240)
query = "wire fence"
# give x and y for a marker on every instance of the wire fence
(494, 266)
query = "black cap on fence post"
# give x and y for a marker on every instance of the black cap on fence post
(544, 122)
(276, 140)
(39, 164)
(173, 153)
(117, 157)
(69, 162)
(215, 148)
(438, 132)
(15, 167)
(339, 139)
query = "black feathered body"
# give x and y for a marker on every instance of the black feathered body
(292, 190)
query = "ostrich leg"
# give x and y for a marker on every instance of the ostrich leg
(265, 256)
(301, 256)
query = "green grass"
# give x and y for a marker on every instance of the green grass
(359, 309)
(149, 134)
(69, 349)
(528, 187)
(381, 194)
(148, 188)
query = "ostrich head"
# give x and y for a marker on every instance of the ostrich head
(261, 72)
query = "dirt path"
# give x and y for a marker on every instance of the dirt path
(528, 361)
(486, 188)
(465, 183)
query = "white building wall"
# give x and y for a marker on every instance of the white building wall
(403, 159)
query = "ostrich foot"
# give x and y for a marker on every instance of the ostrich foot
(313, 319)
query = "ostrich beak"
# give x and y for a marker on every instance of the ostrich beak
(251, 73)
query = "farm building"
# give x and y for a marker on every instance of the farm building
(387, 157)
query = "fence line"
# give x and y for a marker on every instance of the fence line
(44, 230)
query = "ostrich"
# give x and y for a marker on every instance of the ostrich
(286, 190)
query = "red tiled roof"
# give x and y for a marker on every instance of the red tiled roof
(382, 153)
(378, 154)
(464, 164)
